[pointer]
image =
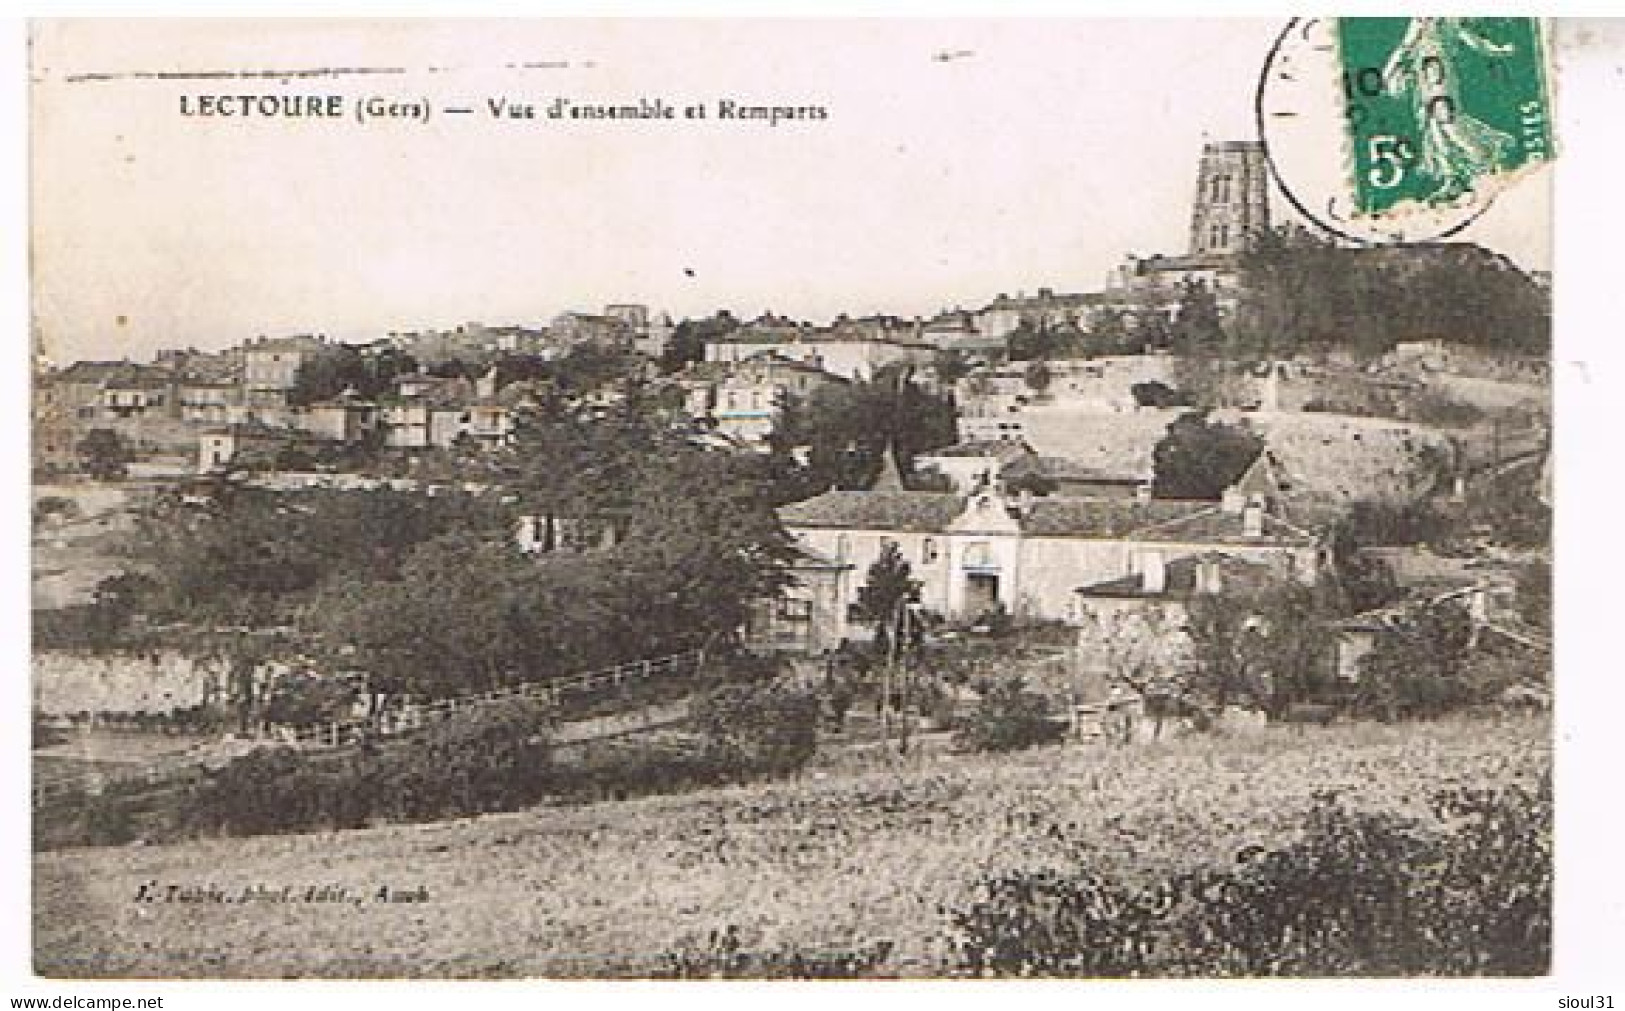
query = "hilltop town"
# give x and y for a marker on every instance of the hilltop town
(300, 584)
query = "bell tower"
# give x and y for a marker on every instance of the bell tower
(1232, 198)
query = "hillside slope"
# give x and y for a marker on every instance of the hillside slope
(833, 862)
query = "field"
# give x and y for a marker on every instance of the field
(853, 854)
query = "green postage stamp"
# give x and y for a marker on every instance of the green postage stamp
(1441, 111)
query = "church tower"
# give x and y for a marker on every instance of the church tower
(1232, 198)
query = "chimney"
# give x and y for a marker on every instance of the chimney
(1207, 576)
(1252, 520)
(1233, 501)
(1142, 492)
(1153, 574)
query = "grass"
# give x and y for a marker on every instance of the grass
(857, 852)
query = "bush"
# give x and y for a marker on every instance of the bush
(723, 955)
(49, 507)
(643, 768)
(767, 727)
(1156, 393)
(1433, 407)
(1009, 718)
(1359, 894)
(494, 758)
(1427, 667)
(1047, 923)
(1488, 909)
(482, 760)
(1384, 524)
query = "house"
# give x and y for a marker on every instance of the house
(1029, 555)
(241, 444)
(107, 391)
(744, 399)
(850, 349)
(207, 401)
(957, 331)
(271, 366)
(138, 392)
(1005, 314)
(649, 333)
(1485, 604)
(973, 464)
(426, 411)
(1141, 619)
(571, 328)
(139, 402)
(347, 418)
(811, 616)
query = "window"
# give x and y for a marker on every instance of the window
(928, 551)
(795, 610)
(978, 555)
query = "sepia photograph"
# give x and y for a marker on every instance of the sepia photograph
(862, 499)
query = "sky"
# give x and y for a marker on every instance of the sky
(958, 159)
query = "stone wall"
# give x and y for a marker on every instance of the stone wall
(156, 683)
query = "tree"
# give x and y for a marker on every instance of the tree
(340, 367)
(454, 622)
(1266, 648)
(1109, 332)
(1367, 582)
(889, 588)
(844, 430)
(1038, 377)
(1288, 275)
(1031, 341)
(688, 339)
(252, 555)
(951, 367)
(1224, 656)
(1156, 393)
(104, 454)
(1418, 668)
(704, 545)
(1199, 458)
(1299, 290)
(298, 699)
(1143, 653)
(1291, 646)
(1371, 523)
(1197, 322)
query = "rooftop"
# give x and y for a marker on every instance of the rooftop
(1180, 582)
(1001, 449)
(112, 374)
(912, 511)
(1060, 468)
(1156, 520)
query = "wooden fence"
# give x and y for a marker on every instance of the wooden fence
(611, 686)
